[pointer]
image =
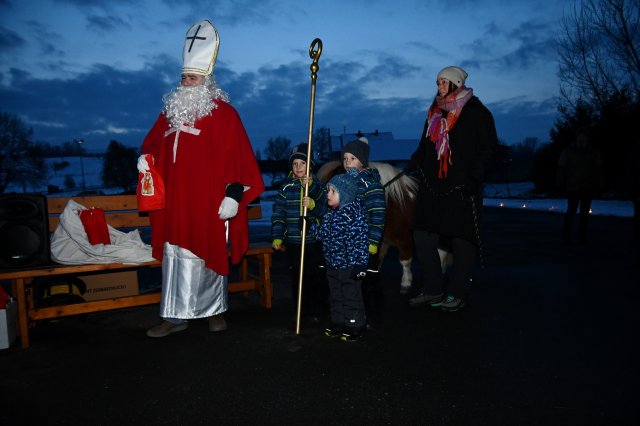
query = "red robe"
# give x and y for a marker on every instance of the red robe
(195, 186)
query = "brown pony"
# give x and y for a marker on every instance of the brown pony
(400, 194)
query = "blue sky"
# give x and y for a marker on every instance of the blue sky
(96, 70)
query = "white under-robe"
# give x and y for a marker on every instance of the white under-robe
(190, 289)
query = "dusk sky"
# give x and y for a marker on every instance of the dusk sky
(96, 70)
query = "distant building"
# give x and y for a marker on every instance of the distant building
(383, 146)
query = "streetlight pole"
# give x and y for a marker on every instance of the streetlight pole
(80, 142)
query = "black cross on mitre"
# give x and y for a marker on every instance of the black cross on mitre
(195, 37)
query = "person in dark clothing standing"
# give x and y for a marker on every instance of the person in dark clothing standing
(455, 149)
(580, 177)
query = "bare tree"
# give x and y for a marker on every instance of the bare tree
(278, 148)
(119, 167)
(20, 161)
(322, 142)
(528, 145)
(599, 51)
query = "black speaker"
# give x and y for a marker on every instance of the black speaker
(24, 231)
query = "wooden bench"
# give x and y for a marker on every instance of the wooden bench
(121, 212)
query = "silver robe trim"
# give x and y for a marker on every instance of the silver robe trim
(190, 289)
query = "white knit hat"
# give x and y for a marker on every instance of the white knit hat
(456, 75)
(200, 49)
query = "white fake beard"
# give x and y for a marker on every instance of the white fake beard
(186, 104)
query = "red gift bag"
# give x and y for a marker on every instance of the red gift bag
(95, 225)
(150, 190)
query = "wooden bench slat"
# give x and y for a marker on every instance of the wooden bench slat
(95, 306)
(51, 270)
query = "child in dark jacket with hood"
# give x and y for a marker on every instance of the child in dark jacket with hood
(343, 233)
(355, 160)
(286, 232)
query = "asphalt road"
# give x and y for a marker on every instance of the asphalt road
(550, 336)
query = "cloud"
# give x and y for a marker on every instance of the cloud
(97, 4)
(10, 41)
(230, 12)
(107, 103)
(46, 41)
(514, 115)
(66, 97)
(51, 124)
(106, 23)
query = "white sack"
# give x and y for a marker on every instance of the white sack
(70, 244)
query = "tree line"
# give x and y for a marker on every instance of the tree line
(22, 161)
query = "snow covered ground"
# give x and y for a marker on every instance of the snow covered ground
(512, 195)
(520, 196)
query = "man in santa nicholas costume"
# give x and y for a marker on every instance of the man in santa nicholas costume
(203, 155)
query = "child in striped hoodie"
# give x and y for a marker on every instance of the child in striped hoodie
(286, 231)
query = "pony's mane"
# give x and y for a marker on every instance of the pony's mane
(405, 186)
(397, 190)
(329, 170)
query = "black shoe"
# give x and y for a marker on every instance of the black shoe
(333, 330)
(351, 335)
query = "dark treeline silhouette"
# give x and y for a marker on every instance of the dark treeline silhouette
(598, 50)
(67, 149)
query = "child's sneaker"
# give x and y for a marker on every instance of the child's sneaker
(451, 304)
(351, 335)
(333, 330)
(425, 299)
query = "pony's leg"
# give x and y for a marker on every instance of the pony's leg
(446, 259)
(405, 262)
(405, 256)
(407, 275)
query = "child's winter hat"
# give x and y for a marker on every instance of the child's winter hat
(299, 153)
(456, 75)
(346, 186)
(360, 149)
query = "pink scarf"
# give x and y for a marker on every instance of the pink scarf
(439, 126)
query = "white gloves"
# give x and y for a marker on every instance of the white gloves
(228, 208)
(143, 166)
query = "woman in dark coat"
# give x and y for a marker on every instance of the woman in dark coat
(456, 147)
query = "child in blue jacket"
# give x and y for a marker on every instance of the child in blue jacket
(343, 233)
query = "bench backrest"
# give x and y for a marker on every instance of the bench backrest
(121, 211)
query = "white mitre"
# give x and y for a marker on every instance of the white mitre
(200, 49)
